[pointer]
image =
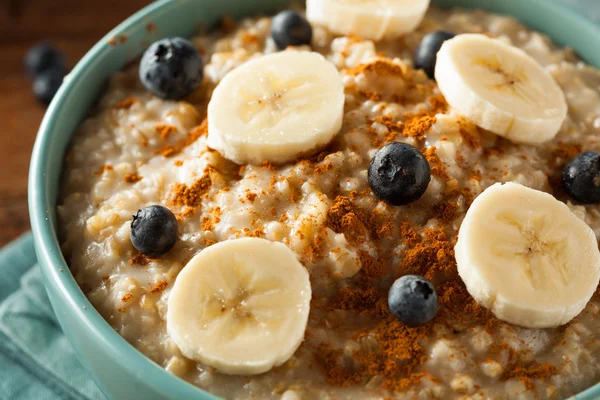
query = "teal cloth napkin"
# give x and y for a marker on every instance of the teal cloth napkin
(36, 361)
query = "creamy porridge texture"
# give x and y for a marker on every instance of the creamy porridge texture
(136, 150)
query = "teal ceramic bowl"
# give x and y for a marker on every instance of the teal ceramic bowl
(118, 368)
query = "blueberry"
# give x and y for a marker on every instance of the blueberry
(413, 300)
(399, 174)
(42, 57)
(290, 29)
(426, 53)
(171, 68)
(154, 230)
(581, 177)
(46, 84)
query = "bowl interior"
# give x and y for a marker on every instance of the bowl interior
(182, 18)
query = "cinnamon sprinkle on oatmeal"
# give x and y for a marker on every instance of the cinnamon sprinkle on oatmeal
(191, 196)
(104, 168)
(434, 254)
(399, 353)
(206, 223)
(209, 242)
(192, 136)
(437, 167)
(380, 66)
(370, 266)
(371, 95)
(470, 134)
(250, 38)
(126, 297)
(139, 259)
(394, 127)
(418, 125)
(269, 166)
(528, 373)
(251, 197)
(159, 286)
(132, 178)
(446, 211)
(409, 235)
(165, 130)
(564, 152)
(126, 104)
(343, 217)
(168, 151)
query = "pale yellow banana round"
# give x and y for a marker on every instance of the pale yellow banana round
(276, 108)
(500, 88)
(525, 256)
(368, 19)
(240, 306)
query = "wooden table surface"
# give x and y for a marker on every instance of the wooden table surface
(73, 26)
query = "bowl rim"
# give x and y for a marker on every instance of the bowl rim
(41, 205)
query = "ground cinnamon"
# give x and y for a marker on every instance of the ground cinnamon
(251, 197)
(470, 134)
(126, 297)
(418, 124)
(139, 259)
(344, 217)
(250, 38)
(378, 67)
(126, 103)
(527, 374)
(104, 168)
(415, 125)
(446, 211)
(165, 130)
(158, 287)
(132, 178)
(191, 196)
(193, 135)
(437, 167)
(565, 151)
(400, 351)
(370, 266)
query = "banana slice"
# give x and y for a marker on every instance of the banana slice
(276, 108)
(240, 306)
(500, 88)
(369, 19)
(525, 256)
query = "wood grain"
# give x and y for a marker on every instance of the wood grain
(73, 26)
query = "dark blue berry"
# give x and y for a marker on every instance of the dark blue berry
(154, 230)
(413, 300)
(171, 68)
(42, 57)
(581, 177)
(46, 84)
(399, 174)
(289, 28)
(426, 53)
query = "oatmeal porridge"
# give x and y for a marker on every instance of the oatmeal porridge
(375, 293)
